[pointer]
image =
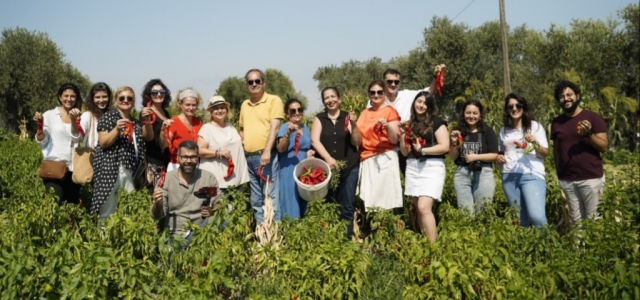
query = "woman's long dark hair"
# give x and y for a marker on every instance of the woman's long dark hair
(91, 105)
(462, 125)
(527, 116)
(146, 91)
(421, 127)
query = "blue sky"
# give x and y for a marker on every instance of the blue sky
(200, 43)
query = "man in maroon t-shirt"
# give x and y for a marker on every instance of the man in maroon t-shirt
(579, 136)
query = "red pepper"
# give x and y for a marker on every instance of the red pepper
(167, 137)
(40, 125)
(346, 123)
(80, 130)
(524, 145)
(518, 145)
(460, 140)
(230, 168)
(262, 176)
(152, 115)
(407, 137)
(163, 175)
(128, 132)
(296, 144)
(378, 129)
(440, 82)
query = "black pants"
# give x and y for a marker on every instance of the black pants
(65, 189)
(402, 162)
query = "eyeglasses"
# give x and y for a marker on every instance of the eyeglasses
(392, 82)
(122, 98)
(511, 106)
(379, 92)
(298, 110)
(161, 92)
(191, 157)
(257, 82)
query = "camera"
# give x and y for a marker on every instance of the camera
(476, 166)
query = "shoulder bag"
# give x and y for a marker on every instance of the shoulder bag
(83, 160)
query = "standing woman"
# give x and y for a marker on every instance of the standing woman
(56, 142)
(474, 147)
(332, 142)
(98, 103)
(290, 203)
(425, 172)
(523, 143)
(156, 92)
(120, 151)
(219, 141)
(377, 135)
(182, 127)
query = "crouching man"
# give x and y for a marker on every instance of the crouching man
(188, 194)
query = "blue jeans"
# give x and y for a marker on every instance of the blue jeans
(257, 185)
(528, 194)
(473, 188)
(345, 195)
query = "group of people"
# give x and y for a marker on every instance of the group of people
(399, 132)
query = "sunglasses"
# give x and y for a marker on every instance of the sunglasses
(373, 93)
(129, 98)
(161, 92)
(257, 82)
(298, 110)
(511, 106)
(392, 82)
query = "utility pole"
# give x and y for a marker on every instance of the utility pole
(505, 50)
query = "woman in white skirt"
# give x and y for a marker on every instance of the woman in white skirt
(424, 141)
(376, 134)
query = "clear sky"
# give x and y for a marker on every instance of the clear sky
(199, 43)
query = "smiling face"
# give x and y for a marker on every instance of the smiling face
(68, 99)
(420, 106)
(472, 115)
(569, 101)
(393, 83)
(158, 93)
(125, 100)
(295, 112)
(376, 95)
(101, 100)
(514, 109)
(219, 112)
(189, 106)
(331, 100)
(255, 84)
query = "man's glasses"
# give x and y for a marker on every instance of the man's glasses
(373, 93)
(191, 157)
(161, 92)
(128, 98)
(298, 110)
(511, 106)
(257, 82)
(392, 82)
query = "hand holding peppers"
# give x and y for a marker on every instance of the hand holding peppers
(40, 120)
(151, 115)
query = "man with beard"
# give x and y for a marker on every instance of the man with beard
(579, 136)
(176, 201)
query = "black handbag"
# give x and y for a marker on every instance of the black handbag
(140, 176)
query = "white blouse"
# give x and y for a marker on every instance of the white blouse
(58, 143)
(90, 130)
(517, 161)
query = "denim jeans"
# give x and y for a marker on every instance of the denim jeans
(527, 193)
(473, 188)
(345, 195)
(257, 186)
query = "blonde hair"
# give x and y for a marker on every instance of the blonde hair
(120, 90)
(187, 93)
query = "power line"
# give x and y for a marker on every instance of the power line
(465, 8)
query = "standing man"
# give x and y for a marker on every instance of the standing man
(182, 198)
(579, 136)
(260, 118)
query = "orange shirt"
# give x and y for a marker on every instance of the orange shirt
(373, 145)
(182, 133)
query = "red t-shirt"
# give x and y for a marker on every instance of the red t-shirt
(181, 133)
(576, 158)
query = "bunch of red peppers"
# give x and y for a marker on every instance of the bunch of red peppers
(80, 130)
(440, 82)
(128, 132)
(152, 115)
(40, 125)
(312, 176)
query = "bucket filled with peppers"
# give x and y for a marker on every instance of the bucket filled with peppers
(312, 178)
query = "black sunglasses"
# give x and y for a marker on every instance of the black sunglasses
(392, 82)
(511, 106)
(373, 93)
(298, 110)
(161, 92)
(257, 81)
(121, 98)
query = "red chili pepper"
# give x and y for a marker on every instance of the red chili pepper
(296, 144)
(152, 115)
(40, 125)
(167, 137)
(407, 136)
(163, 175)
(518, 145)
(128, 132)
(230, 168)
(80, 130)
(460, 140)
(524, 145)
(378, 129)
(262, 176)
(440, 82)
(346, 123)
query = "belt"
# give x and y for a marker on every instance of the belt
(259, 152)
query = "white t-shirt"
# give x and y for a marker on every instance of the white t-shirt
(517, 161)
(403, 103)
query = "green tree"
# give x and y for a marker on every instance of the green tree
(33, 68)
(351, 76)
